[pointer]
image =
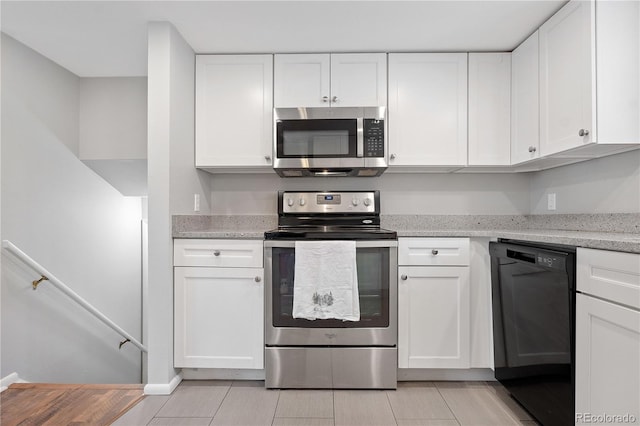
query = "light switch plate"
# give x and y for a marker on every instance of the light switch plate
(196, 202)
(551, 201)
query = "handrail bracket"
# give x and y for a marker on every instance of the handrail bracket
(122, 343)
(35, 283)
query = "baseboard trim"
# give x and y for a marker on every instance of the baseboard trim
(163, 388)
(7, 381)
(446, 374)
(222, 374)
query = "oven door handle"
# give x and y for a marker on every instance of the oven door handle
(359, 243)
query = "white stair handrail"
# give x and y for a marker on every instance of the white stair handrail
(46, 275)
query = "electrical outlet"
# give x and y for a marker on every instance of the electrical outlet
(196, 202)
(551, 201)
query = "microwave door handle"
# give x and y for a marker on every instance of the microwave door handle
(359, 137)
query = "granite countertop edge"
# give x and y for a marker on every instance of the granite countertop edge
(609, 231)
(597, 240)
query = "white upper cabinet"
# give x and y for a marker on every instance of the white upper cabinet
(359, 79)
(428, 109)
(302, 80)
(566, 78)
(525, 121)
(326, 80)
(234, 110)
(590, 67)
(489, 109)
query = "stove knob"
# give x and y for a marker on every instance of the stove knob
(355, 201)
(289, 202)
(303, 201)
(367, 202)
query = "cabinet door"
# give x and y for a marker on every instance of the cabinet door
(489, 109)
(607, 360)
(302, 80)
(234, 110)
(567, 68)
(219, 317)
(358, 79)
(428, 109)
(433, 317)
(525, 113)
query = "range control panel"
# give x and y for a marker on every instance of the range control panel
(329, 202)
(373, 132)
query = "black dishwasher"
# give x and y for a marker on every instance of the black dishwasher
(533, 295)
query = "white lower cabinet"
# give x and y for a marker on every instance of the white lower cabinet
(433, 317)
(607, 337)
(218, 315)
(433, 306)
(607, 360)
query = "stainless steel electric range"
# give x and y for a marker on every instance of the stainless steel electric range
(330, 353)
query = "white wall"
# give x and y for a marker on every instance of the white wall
(68, 219)
(604, 185)
(428, 193)
(113, 118)
(172, 182)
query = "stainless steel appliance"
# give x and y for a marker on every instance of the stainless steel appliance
(534, 299)
(330, 141)
(329, 353)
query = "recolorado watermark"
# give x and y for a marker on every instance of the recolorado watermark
(605, 418)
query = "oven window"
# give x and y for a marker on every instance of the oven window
(373, 288)
(316, 138)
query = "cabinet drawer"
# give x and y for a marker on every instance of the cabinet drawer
(433, 251)
(611, 275)
(224, 253)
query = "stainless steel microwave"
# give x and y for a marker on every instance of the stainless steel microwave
(330, 141)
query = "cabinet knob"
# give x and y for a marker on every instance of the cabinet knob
(403, 277)
(532, 149)
(257, 279)
(267, 157)
(216, 252)
(392, 156)
(434, 252)
(583, 132)
(334, 99)
(325, 99)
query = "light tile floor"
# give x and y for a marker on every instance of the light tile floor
(245, 403)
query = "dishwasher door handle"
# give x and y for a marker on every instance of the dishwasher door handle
(520, 255)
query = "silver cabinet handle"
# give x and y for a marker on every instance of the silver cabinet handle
(532, 149)
(334, 99)
(267, 157)
(403, 277)
(325, 99)
(257, 279)
(583, 132)
(434, 252)
(216, 252)
(392, 156)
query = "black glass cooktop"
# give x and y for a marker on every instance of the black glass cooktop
(330, 233)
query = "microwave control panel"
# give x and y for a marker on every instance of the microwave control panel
(373, 137)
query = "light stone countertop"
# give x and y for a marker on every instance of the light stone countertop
(598, 240)
(618, 232)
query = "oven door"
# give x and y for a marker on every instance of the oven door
(377, 286)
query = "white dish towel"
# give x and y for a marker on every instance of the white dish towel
(326, 281)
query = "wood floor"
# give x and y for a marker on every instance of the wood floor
(65, 404)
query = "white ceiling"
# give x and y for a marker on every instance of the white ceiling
(109, 38)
